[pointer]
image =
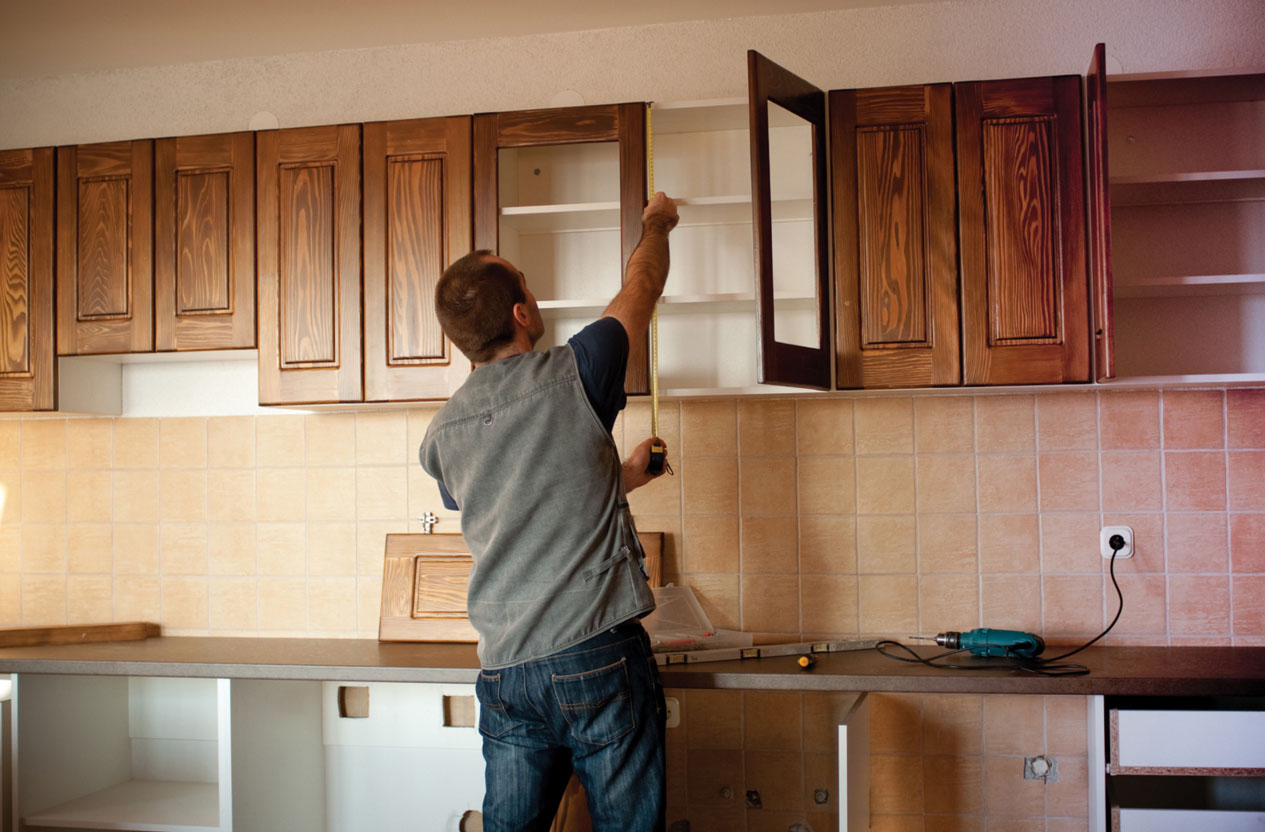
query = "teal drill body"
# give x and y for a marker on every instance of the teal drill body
(985, 642)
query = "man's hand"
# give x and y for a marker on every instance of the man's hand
(634, 473)
(659, 215)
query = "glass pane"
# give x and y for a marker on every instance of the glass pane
(795, 301)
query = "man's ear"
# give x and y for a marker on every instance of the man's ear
(521, 315)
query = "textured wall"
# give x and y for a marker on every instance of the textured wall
(953, 41)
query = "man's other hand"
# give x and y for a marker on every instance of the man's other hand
(635, 473)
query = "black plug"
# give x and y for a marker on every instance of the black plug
(1116, 542)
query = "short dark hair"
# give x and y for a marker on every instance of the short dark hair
(474, 301)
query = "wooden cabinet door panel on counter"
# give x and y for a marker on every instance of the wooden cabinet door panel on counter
(1025, 315)
(417, 192)
(104, 248)
(28, 367)
(621, 123)
(308, 224)
(204, 242)
(895, 237)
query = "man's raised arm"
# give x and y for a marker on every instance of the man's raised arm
(647, 269)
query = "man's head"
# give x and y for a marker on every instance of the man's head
(484, 305)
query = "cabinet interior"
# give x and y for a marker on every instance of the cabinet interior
(1187, 178)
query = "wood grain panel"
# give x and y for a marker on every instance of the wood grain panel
(895, 230)
(415, 259)
(28, 368)
(777, 362)
(204, 242)
(104, 287)
(15, 280)
(892, 198)
(624, 123)
(105, 248)
(1025, 312)
(202, 245)
(1020, 199)
(309, 281)
(1098, 179)
(417, 214)
(309, 298)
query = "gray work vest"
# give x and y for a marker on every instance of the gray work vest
(543, 510)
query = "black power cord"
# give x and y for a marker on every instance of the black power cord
(1012, 661)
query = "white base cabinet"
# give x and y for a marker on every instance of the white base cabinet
(192, 755)
(1167, 765)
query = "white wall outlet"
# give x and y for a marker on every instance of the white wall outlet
(1104, 541)
(674, 711)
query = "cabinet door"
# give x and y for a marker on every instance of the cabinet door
(204, 242)
(105, 240)
(417, 221)
(1025, 316)
(781, 101)
(308, 222)
(1100, 215)
(895, 227)
(28, 368)
(622, 123)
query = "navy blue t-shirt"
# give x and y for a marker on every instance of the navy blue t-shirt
(601, 355)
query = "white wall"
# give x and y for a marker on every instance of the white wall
(952, 41)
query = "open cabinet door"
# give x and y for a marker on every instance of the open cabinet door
(1100, 214)
(788, 194)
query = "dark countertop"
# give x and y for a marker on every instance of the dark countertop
(1124, 671)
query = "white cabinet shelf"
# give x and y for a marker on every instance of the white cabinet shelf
(139, 805)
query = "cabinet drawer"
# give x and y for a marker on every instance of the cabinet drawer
(1184, 820)
(1188, 742)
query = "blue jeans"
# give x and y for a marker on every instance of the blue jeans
(596, 708)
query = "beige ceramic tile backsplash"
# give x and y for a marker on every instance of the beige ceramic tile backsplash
(790, 518)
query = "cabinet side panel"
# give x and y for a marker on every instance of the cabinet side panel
(278, 759)
(72, 738)
(1021, 222)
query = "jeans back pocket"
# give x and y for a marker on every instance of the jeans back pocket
(597, 704)
(494, 720)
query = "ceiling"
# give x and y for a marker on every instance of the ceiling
(62, 37)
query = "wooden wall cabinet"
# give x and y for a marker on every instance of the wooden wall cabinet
(308, 224)
(317, 344)
(979, 284)
(574, 174)
(417, 220)
(204, 242)
(28, 366)
(1185, 210)
(104, 248)
(1025, 306)
(895, 226)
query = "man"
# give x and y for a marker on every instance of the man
(524, 450)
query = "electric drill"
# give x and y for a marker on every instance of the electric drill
(985, 642)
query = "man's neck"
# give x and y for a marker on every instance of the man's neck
(516, 347)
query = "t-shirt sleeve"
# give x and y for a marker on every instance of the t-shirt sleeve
(601, 354)
(449, 502)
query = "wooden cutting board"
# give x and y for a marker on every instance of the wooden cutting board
(424, 579)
